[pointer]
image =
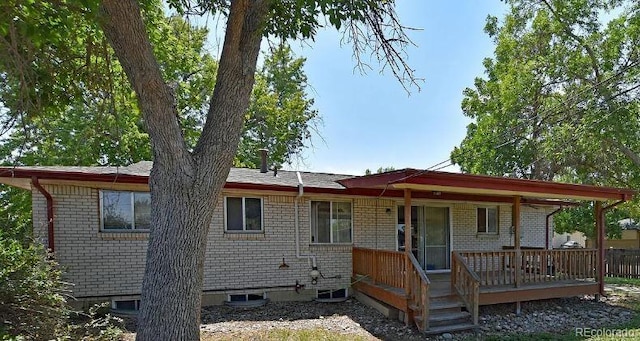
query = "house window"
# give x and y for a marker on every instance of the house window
(331, 222)
(243, 214)
(126, 305)
(487, 221)
(331, 294)
(123, 210)
(245, 297)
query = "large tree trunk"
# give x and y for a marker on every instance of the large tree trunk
(184, 185)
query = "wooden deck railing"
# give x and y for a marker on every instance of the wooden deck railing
(467, 284)
(419, 293)
(515, 267)
(381, 266)
(388, 267)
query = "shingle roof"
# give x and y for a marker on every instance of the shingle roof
(286, 178)
(236, 175)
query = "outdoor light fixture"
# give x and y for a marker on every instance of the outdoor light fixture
(284, 265)
(314, 275)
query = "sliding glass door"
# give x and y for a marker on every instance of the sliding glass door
(437, 241)
(430, 236)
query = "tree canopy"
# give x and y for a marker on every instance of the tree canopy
(280, 115)
(559, 100)
(46, 48)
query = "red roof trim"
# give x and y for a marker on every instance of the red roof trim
(393, 193)
(372, 185)
(444, 179)
(55, 175)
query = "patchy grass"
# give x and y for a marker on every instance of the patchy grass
(535, 337)
(626, 281)
(283, 334)
(274, 335)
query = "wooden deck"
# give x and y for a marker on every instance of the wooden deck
(392, 296)
(476, 278)
(491, 294)
(496, 294)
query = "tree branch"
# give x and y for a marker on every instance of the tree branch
(234, 81)
(628, 152)
(587, 48)
(124, 28)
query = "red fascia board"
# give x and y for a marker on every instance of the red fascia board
(367, 192)
(377, 180)
(79, 176)
(519, 185)
(413, 176)
(394, 193)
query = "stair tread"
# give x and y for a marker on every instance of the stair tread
(450, 328)
(446, 305)
(442, 293)
(449, 316)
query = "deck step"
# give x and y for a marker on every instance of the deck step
(450, 318)
(441, 293)
(445, 306)
(450, 328)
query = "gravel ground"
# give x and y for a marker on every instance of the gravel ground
(352, 317)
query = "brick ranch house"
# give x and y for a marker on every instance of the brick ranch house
(474, 240)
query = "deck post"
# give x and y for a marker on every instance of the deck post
(407, 251)
(515, 220)
(600, 230)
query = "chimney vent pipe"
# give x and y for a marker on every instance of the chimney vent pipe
(263, 160)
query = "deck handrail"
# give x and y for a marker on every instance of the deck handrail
(399, 270)
(418, 292)
(380, 266)
(514, 267)
(416, 265)
(467, 284)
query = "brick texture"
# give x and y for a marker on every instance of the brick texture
(101, 264)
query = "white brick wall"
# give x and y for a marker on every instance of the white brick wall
(465, 236)
(104, 264)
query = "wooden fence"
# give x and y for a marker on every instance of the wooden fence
(623, 263)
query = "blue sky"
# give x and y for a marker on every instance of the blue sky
(369, 121)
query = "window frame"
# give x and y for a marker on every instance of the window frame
(136, 305)
(332, 293)
(247, 296)
(133, 228)
(331, 238)
(486, 223)
(244, 215)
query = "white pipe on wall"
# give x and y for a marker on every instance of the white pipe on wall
(311, 258)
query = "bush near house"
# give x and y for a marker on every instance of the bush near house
(33, 303)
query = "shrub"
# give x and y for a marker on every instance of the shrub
(96, 325)
(32, 304)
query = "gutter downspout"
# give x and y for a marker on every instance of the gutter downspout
(601, 237)
(547, 226)
(47, 195)
(311, 258)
